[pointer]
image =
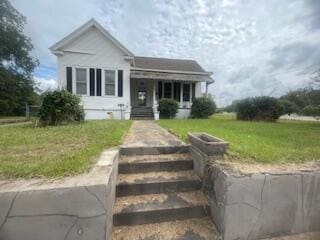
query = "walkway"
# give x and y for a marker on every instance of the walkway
(159, 195)
(148, 133)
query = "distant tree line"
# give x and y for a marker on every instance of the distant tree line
(304, 101)
(16, 65)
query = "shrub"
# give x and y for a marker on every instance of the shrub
(258, 109)
(311, 110)
(60, 107)
(288, 107)
(202, 107)
(168, 108)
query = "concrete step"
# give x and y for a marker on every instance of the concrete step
(190, 229)
(151, 208)
(142, 118)
(153, 150)
(157, 182)
(142, 115)
(153, 163)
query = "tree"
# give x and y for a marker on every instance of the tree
(262, 108)
(288, 107)
(311, 110)
(16, 64)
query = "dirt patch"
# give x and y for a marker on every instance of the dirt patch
(303, 236)
(204, 228)
(123, 202)
(250, 168)
(141, 158)
(131, 178)
(194, 198)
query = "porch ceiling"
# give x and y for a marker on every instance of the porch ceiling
(134, 74)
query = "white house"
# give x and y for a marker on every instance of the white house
(114, 83)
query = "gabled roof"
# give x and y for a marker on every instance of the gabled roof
(91, 23)
(165, 64)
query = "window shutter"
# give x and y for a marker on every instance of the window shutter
(69, 79)
(193, 91)
(120, 83)
(92, 87)
(160, 89)
(98, 82)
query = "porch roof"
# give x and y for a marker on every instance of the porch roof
(138, 74)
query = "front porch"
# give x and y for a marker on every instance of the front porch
(149, 85)
(146, 93)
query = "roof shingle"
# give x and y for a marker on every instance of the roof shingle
(168, 64)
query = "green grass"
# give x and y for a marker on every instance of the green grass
(281, 142)
(12, 119)
(56, 151)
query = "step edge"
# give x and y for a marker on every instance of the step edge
(158, 182)
(153, 161)
(205, 206)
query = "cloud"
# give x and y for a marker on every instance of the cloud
(253, 48)
(294, 55)
(44, 84)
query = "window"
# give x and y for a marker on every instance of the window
(167, 90)
(176, 91)
(110, 82)
(81, 81)
(186, 92)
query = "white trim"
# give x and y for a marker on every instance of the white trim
(84, 28)
(79, 51)
(87, 81)
(115, 83)
(74, 81)
(181, 94)
(171, 71)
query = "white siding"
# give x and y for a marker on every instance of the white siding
(198, 92)
(100, 53)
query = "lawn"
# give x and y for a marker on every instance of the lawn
(281, 142)
(12, 119)
(56, 151)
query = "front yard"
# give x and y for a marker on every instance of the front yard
(56, 151)
(281, 142)
(12, 119)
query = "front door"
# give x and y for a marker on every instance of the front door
(142, 98)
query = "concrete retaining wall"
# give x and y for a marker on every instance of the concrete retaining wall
(78, 207)
(262, 205)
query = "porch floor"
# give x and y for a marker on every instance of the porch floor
(148, 133)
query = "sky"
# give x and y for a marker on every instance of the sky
(253, 47)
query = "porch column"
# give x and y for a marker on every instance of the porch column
(190, 99)
(181, 95)
(154, 94)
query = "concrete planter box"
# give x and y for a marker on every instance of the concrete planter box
(204, 146)
(207, 144)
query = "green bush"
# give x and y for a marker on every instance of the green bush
(60, 107)
(202, 107)
(311, 110)
(258, 109)
(288, 107)
(168, 108)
